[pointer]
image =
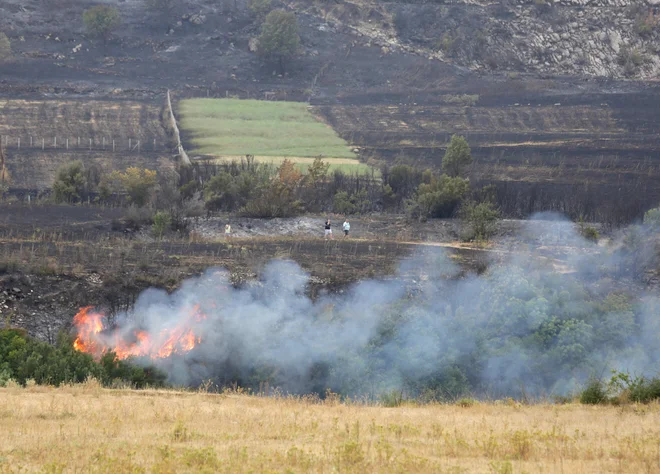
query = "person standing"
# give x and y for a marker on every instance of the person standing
(328, 230)
(227, 231)
(346, 227)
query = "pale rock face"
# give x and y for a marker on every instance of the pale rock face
(615, 40)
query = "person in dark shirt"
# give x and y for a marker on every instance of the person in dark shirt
(328, 230)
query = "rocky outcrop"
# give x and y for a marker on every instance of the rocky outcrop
(607, 38)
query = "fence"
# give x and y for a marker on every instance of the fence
(134, 145)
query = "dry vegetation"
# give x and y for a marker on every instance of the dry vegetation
(89, 429)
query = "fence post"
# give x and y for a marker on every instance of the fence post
(154, 144)
(129, 145)
(30, 142)
(113, 145)
(43, 143)
(104, 143)
(78, 142)
(55, 142)
(67, 143)
(19, 143)
(90, 144)
(138, 145)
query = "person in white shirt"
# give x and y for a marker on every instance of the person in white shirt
(346, 227)
(227, 231)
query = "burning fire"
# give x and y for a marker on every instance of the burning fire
(95, 339)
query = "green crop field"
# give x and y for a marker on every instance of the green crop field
(271, 131)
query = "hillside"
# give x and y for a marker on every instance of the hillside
(555, 116)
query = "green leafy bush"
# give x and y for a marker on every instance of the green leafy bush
(101, 21)
(279, 38)
(457, 157)
(595, 393)
(5, 47)
(652, 217)
(260, 8)
(23, 358)
(70, 183)
(162, 221)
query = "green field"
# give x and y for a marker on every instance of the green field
(233, 127)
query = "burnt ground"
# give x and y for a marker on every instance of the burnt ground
(586, 146)
(56, 259)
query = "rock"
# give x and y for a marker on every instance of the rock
(253, 45)
(198, 19)
(385, 50)
(77, 48)
(615, 41)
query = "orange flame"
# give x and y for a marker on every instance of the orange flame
(93, 338)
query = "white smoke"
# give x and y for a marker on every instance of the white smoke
(554, 312)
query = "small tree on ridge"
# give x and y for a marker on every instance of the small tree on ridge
(279, 38)
(101, 21)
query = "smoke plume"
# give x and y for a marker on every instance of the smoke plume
(550, 313)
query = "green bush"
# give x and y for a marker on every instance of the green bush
(260, 8)
(481, 217)
(457, 157)
(590, 233)
(5, 47)
(392, 399)
(101, 21)
(23, 358)
(279, 38)
(594, 393)
(652, 217)
(70, 183)
(162, 221)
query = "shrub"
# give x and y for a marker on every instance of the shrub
(590, 233)
(101, 21)
(594, 393)
(457, 156)
(260, 8)
(162, 220)
(439, 197)
(392, 399)
(138, 183)
(5, 47)
(25, 359)
(70, 183)
(652, 217)
(481, 217)
(279, 40)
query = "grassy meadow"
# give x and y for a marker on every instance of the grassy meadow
(271, 131)
(86, 428)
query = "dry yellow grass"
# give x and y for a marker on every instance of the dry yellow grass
(89, 429)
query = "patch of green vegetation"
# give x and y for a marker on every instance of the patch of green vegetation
(240, 127)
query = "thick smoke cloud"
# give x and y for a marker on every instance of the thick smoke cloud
(531, 324)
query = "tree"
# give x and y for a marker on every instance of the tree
(5, 47)
(136, 182)
(260, 8)
(457, 156)
(652, 217)
(162, 8)
(481, 217)
(440, 196)
(279, 38)
(101, 21)
(70, 184)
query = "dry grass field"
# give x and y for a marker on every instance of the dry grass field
(88, 429)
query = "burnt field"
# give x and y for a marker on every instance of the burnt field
(56, 259)
(40, 135)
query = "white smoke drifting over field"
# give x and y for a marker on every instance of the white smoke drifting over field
(521, 326)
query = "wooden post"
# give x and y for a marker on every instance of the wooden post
(78, 142)
(138, 145)
(90, 144)
(19, 143)
(154, 144)
(104, 143)
(67, 143)
(43, 143)
(129, 145)
(30, 142)
(113, 145)
(55, 141)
